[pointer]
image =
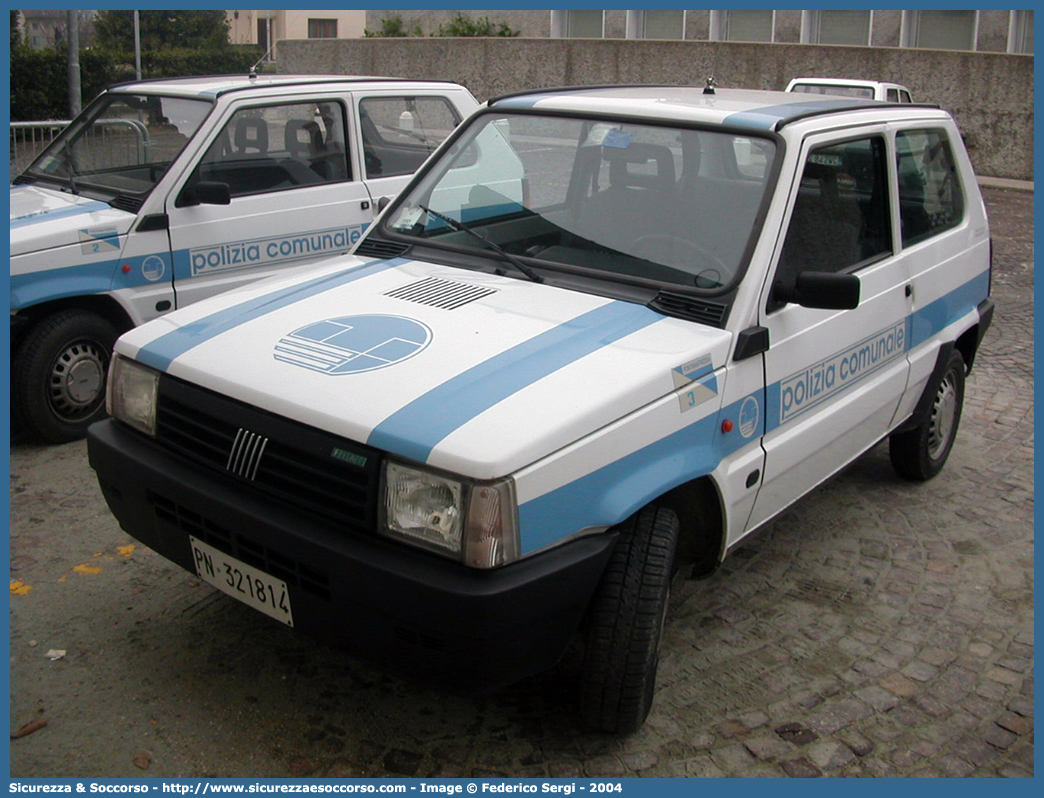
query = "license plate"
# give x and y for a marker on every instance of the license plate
(244, 582)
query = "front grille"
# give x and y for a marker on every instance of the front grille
(264, 558)
(303, 467)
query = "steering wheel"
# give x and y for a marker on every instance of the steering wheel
(663, 247)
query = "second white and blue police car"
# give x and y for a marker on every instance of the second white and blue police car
(164, 192)
(602, 333)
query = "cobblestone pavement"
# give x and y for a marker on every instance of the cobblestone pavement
(877, 628)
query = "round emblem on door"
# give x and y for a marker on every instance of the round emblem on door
(153, 268)
(749, 415)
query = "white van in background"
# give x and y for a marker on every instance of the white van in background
(857, 89)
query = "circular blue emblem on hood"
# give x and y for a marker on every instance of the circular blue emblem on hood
(353, 344)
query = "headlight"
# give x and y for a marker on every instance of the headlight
(132, 393)
(475, 522)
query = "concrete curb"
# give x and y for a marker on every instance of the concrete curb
(1006, 182)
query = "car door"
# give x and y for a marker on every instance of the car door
(833, 378)
(274, 188)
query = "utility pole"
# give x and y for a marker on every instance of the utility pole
(72, 23)
(137, 47)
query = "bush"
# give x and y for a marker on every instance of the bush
(394, 26)
(40, 78)
(40, 82)
(463, 25)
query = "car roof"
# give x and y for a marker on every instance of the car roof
(761, 110)
(213, 86)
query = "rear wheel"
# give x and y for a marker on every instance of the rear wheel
(626, 623)
(58, 379)
(920, 453)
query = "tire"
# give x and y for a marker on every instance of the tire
(58, 378)
(625, 623)
(920, 453)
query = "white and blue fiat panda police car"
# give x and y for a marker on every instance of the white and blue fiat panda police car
(164, 192)
(603, 333)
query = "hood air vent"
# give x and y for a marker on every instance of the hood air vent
(375, 248)
(445, 294)
(701, 311)
(125, 203)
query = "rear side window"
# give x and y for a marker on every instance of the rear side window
(399, 133)
(931, 198)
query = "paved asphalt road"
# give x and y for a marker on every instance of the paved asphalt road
(877, 628)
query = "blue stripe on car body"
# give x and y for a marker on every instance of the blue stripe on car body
(935, 316)
(766, 118)
(414, 430)
(610, 494)
(82, 279)
(161, 352)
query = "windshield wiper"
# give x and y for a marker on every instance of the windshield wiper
(67, 158)
(463, 228)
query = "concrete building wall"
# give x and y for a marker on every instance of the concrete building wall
(989, 94)
(993, 31)
(697, 24)
(788, 26)
(886, 28)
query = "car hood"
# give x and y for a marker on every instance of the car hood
(475, 373)
(42, 218)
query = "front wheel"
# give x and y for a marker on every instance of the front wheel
(921, 452)
(625, 623)
(58, 379)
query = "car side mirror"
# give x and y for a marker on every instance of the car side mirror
(204, 193)
(212, 193)
(822, 290)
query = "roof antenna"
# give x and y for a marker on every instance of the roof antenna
(253, 70)
(710, 86)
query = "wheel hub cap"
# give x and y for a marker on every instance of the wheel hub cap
(943, 414)
(78, 380)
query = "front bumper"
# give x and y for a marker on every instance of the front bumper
(408, 610)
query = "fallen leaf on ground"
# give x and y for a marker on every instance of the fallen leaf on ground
(29, 728)
(143, 760)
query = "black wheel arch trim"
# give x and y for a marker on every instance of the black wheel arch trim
(924, 404)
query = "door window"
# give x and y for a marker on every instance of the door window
(840, 216)
(278, 147)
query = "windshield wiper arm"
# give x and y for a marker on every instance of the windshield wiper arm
(463, 228)
(67, 157)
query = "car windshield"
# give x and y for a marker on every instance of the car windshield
(122, 145)
(629, 201)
